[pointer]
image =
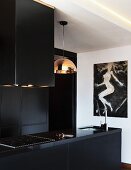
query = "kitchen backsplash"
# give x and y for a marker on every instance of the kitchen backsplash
(23, 110)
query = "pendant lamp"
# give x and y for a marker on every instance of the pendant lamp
(64, 65)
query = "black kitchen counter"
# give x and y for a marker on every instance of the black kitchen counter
(69, 137)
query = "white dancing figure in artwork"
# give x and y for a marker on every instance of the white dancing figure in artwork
(109, 87)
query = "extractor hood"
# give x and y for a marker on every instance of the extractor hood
(26, 44)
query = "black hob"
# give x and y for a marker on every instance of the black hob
(24, 141)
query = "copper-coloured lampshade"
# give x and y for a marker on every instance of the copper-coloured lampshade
(64, 66)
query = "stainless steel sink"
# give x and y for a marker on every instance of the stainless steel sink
(92, 128)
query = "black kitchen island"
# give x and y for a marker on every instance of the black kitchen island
(84, 149)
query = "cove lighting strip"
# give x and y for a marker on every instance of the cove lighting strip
(43, 3)
(111, 11)
(94, 6)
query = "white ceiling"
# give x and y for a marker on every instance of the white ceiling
(93, 24)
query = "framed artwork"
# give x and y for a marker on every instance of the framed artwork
(110, 89)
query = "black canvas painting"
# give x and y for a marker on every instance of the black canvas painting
(110, 89)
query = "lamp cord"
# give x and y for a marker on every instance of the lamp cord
(63, 42)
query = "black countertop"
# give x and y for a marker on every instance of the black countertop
(59, 137)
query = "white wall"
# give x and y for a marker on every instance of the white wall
(85, 93)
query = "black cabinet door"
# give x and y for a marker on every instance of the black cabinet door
(34, 43)
(10, 106)
(7, 41)
(34, 106)
(62, 113)
(34, 110)
(101, 153)
(10, 102)
(53, 158)
(26, 43)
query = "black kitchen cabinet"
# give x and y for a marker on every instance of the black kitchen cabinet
(53, 158)
(62, 97)
(26, 43)
(102, 153)
(62, 111)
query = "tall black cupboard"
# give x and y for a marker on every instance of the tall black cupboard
(26, 43)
